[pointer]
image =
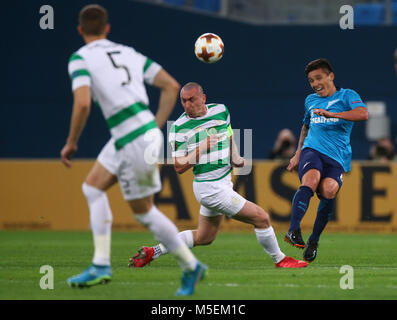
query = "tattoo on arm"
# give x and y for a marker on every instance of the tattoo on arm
(303, 135)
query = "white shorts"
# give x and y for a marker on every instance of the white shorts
(218, 197)
(135, 165)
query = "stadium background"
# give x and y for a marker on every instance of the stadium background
(260, 78)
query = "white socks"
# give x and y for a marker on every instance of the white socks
(186, 236)
(101, 223)
(267, 239)
(162, 228)
(167, 233)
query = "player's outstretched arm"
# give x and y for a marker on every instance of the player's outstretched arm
(80, 113)
(182, 164)
(169, 93)
(294, 161)
(357, 114)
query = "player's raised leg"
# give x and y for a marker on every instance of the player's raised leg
(255, 215)
(94, 189)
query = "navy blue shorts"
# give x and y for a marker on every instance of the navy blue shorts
(328, 167)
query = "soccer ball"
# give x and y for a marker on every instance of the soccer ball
(209, 48)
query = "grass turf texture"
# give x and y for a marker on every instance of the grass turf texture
(238, 268)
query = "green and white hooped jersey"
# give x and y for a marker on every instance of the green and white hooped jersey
(186, 134)
(116, 75)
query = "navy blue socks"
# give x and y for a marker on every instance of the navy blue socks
(300, 203)
(324, 213)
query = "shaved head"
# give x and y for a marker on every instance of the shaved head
(193, 99)
(192, 85)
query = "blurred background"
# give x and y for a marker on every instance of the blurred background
(369, 12)
(260, 78)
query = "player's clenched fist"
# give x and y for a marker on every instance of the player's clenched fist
(208, 144)
(238, 162)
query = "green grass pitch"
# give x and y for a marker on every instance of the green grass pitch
(238, 268)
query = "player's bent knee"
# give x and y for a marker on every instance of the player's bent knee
(253, 214)
(329, 191)
(143, 205)
(91, 192)
(263, 219)
(311, 179)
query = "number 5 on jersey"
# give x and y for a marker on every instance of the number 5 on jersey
(124, 83)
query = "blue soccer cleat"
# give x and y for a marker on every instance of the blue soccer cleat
(91, 276)
(190, 279)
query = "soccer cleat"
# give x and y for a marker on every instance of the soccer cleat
(310, 252)
(289, 262)
(190, 279)
(142, 258)
(295, 238)
(91, 276)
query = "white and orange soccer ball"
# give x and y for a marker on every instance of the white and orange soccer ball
(209, 48)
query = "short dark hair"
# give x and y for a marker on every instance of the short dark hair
(319, 64)
(93, 19)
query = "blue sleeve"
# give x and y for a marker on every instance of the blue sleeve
(306, 117)
(353, 100)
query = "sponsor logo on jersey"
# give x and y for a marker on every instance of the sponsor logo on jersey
(322, 119)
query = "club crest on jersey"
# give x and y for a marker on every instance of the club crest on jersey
(235, 201)
(330, 103)
(211, 131)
